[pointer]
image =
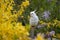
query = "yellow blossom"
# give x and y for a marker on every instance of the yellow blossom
(8, 25)
(48, 24)
(39, 37)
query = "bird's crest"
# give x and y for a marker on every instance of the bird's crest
(32, 14)
(34, 10)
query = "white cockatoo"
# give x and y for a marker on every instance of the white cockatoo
(33, 18)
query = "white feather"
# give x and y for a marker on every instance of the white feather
(33, 19)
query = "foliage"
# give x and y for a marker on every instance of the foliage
(14, 12)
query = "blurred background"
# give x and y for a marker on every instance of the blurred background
(18, 11)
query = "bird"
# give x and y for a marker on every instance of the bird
(33, 19)
(33, 22)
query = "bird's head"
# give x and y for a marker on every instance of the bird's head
(33, 13)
